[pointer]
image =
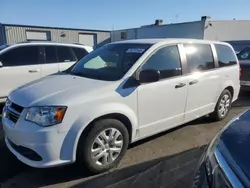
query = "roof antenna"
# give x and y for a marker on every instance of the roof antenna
(176, 18)
(113, 32)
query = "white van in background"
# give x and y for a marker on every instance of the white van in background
(24, 62)
(118, 94)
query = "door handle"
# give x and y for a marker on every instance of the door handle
(180, 85)
(193, 82)
(34, 70)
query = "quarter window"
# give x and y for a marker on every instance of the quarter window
(199, 57)
(50, 54)
(226, 55)
(21, 56)
(65, 54)
(166, 60)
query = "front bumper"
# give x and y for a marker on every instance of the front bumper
(34, 145)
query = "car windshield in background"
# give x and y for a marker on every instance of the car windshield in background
(3, 47)
(244, 54)
(239, 45)
(109, 62)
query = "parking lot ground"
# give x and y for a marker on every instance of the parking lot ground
(168, 159)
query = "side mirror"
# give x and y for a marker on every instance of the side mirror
(1, 65)
(147, 76)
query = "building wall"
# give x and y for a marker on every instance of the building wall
(18, 34)
(227, 30)
(182, 30)
(116, 35)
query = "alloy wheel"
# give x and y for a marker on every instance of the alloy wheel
(224, 105)
(107, 146)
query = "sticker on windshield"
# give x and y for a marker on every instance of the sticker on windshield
(135, 50)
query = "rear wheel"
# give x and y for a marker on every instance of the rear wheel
(223, 106)
(103, 146)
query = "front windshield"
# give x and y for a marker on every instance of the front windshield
(109, 62)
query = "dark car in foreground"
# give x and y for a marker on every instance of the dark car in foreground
(244, 60)
(226, 161)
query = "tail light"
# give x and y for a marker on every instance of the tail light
(240, 71)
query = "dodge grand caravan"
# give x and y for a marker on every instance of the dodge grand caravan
(24, 62)
(116, 95)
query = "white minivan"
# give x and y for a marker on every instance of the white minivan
(24, 62)
(116, 95)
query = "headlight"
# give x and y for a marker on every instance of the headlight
(209, 159)
(46, 116)
(7, 103)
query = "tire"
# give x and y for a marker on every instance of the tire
(217, 115)
(94, 144)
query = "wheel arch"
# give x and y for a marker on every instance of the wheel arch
(82, 125)
(231, 90)
(118, 116)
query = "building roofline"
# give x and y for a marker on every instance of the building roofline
(228, 20)
(152, 25)
(47, 27)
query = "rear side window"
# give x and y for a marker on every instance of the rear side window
(166, 60)
(65, 54)
(20, 56)
(50, 54)
(79, 52)
(226, 56)
(199, 57)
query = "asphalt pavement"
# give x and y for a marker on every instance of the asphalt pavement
(168, 159)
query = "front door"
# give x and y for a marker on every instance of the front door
(161, 105)
(203, 80)
(20, 65)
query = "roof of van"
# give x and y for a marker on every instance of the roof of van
(170, 40)
(88, 48)
(45, 42)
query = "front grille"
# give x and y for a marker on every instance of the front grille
(17, 107)
(220, 178)
(12, 116)
(26, 152)
(13, 112)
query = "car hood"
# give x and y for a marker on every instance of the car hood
(58, 89)
(235, 143)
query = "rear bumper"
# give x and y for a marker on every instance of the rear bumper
(245, 88)
(245, 85)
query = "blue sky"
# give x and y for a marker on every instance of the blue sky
(106, 14)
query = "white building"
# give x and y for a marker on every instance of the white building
(228, 30)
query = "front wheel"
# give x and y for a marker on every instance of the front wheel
(103, 146)
(223, 106)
